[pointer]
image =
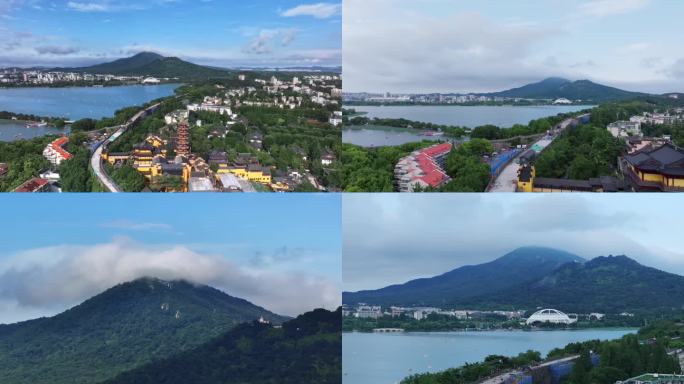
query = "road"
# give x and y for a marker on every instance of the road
(96, 164)
(502, 377)
(507, 180)
(96, 159)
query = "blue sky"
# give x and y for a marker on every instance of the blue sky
(279, 251)
(389, 239)
(473, 46)
(225, 33)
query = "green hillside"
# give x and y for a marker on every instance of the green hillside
(521, 265)
(554, 88)
(125, 327)
(307, 349)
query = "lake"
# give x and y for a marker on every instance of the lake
(377, 136)
(80, 102)
(469, 116)
(386, 358)
(11, 130)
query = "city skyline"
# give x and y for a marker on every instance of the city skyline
(436, 46)
(289, 33)
(239, 245)
(391, 239)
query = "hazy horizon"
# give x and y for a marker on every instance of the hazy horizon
(403, 46)
(270, 33)
(393, 238)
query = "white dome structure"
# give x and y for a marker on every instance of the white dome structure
(553, 316)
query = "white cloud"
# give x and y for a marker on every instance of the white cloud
(602, 8)
(136, 226)
(56, 50)
(88, 7)
(318, 10)
(49, 280)
(392, 239)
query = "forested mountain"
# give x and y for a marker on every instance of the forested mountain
(532, 277)
(520, 265)
(155, 65)
(120, 329)
(307, 349)
(611, 284)
(555, 87)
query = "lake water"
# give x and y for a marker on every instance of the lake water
(372, 136)
(80, 102)
(469, 116)
(375, 358)
(16, 130)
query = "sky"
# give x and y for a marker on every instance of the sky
(392, 238)
(282, 252)
(225, 33)
(422, 46)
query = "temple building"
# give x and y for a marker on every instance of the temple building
(183, 144)
(655, 169)
(529, 182)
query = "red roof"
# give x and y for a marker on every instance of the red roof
(57, 146)
(433, 175)
(437, 150)
(32, 185)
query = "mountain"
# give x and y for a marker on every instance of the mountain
(120, 329)
(125, 64)
(155, 65)
(522, 264)
(307, 349)
(610, 284)
(555, 87)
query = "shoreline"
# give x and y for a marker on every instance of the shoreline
(470, 330)
(85, 86)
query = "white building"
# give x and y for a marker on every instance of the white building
(176, 117)
(368, 311)
(54, 152)
(552, 316)
(625, 128)
(336, 118)
(151, 80)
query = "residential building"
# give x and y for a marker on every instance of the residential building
(35, 184)
(423, 168)
(55, 153)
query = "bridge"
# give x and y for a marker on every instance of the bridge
(385, 330)
(96, 162)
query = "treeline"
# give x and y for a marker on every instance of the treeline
(618, 360)
(466, 168)
(372, 169)
(582, 152)
(307, 349)
(24, 159)
(430, 323)
(449, 130)
(472, 372)
(537, 126)
(56, 121)
(675, 131)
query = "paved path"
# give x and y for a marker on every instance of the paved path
(96, 159)
(507, 180)
(96, 165)
(502, 377)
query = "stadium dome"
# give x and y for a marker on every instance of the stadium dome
(550, 316)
